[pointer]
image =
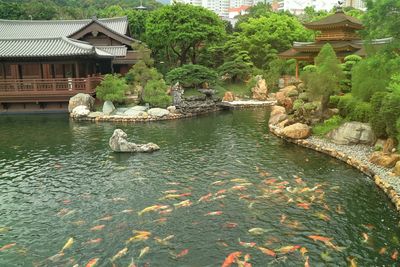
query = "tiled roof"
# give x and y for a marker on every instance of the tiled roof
(47, 47)
(339, 18)
(118, 51)
(24, 29)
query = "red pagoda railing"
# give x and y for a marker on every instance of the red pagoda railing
(37, 89)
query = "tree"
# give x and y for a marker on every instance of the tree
(239, 68)
(192, 76)
(112, 88)
(324, 80)
(155, 93)
(183, 29)
(264, 37)
(383, 18)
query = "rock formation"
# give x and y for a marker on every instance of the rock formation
(260, 90)
(353, 133)
(80, 111)
(108, 107)
(297, 131)
(81, 100)
(119, 143)
(228, 97)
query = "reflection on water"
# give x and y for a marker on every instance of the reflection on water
(220, 184)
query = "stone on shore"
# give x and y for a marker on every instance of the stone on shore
(80, 111)
(119, 143)
(139, 108)
(277, 110)
(352, 133)
(274, 120)
(389, 146)
(396, 169)
(95, 114)
(108, 107)
(172, 109)
(260, 90)
(228, 97)
(297, 131)
(81, 100)
(158, 112)
(384, 160)
(135, 113)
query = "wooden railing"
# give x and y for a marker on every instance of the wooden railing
(39, 89)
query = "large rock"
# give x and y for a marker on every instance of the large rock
(158, 112)
(108, 107)
(260, 90)
(277, 110)
(172, 109)
(352, 133)
(177, 92)
(384, 160)
(80, 111)
(297, 131)
(139, 108)
(274, 120)
(228, 97)
(81, 100)
(95, 114)
(119, 143)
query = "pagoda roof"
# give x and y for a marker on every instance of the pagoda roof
(337, 46)
(339, 19)
(48, 47)
(24, 29)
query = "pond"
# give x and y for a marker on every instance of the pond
(220, 184)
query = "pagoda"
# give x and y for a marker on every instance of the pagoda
(339, 30)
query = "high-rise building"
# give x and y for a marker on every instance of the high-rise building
(359, 4)
(297, 6)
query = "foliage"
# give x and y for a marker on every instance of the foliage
(373, 74)
(238, 69)
(265, 36)
(276, 68)
(182, 30)
(398, 133)
(346, 104)
(297, 104)
(360, 112)
(155, 93)
(390, 112)
(334, 101)
(141, 73)
(377, 121)
(349, 62)
(112, 88)
(256, 11)
(324, 81)
(192, 76)
(328, 125)
(383, 18)
(394, 84)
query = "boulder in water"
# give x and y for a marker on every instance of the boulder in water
(81, 100)
(119, 143)
(158, 112)
(108, 107)
(80, 111)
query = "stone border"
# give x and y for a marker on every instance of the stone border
(389, 190)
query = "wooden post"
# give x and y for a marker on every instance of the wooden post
(297, 70)
(76, 70)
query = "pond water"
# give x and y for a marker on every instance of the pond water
(215, 178)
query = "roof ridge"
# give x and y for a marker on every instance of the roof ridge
(64, 20)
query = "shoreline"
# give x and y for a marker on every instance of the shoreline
(356, 156)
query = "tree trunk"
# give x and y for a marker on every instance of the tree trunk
(324, 105)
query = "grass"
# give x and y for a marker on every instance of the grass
(322, 129)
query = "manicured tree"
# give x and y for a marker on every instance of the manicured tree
(239, 68)
(324, 80)
(349, 63)
(112, 88)
(192, 76)
(155, 93)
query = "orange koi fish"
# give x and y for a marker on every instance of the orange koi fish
(8, 246)
(231, 259)
(220, 192)
(218, 183)
(283, 218)
(185, 194)
(94, 241)
(366, 237)
(303, 251)
(395, 255)
(352, 261)
(298, 179)
(127, 211)
(182, 253)
(323, 216)
(270, 181)
(288, 249)
(305, 206)
(107, 218)
(92, 262)
(214, 213)
(165, 211)
(185, 203)
(320, 238)
(239, 188)
(382, 251)
(267, 251)
(149, 209)
(97, 227)
(170, 191)
(205, 198)
(230, 225)
(306, 263)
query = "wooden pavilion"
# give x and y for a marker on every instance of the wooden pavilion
(339, 30)
(44, 63)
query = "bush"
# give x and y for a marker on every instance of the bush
(398, 133)
(310, 106)
(361, 112)
(334, 101)
(346, 105)
(327, 126)
(390, 113)
(377, 121)
(298, 104)
(190, 76)
(155, 93)
(112, 88)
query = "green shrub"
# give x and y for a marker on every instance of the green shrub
(304, 97)
(394, 85)
(192, 76)
(112, 88)
(398, 133)
(334, 101)
(327, 126)
(361, 112)
(298, 103)
(310, 106)
(346, 105)
(377, 121)
(390, 111)
(155, 93)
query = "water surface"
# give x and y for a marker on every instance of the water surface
(58, 180)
